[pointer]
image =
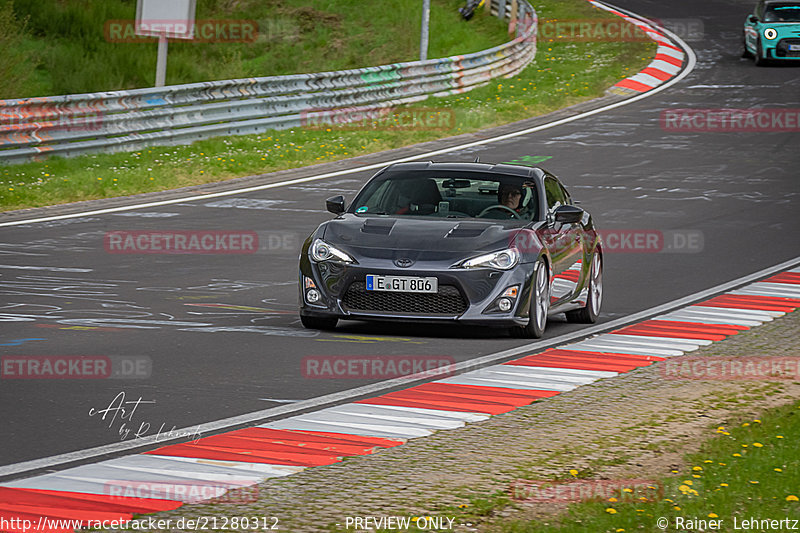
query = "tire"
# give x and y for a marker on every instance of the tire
(745, 52)
(316, 322)
(589, 313)
(540, 304)
(761, 61)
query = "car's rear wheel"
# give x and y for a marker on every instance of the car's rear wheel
(540, 305)
(589, 313)
(316, 322)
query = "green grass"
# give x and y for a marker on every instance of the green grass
(748, 471)
(563, 74)
(67, 45)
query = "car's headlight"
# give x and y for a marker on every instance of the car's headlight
(770, 33)
(502, 260)
(322, 251)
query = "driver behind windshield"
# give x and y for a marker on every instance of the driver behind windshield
(513, 197)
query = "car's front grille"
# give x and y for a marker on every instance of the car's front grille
(782, 48)
(447, 302)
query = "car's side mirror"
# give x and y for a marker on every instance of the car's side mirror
(568, 214)
(753, 19)
(335, 204)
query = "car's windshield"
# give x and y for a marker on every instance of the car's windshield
(782, 13)
(449, 195)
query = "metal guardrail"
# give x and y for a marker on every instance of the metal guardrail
(35, 128)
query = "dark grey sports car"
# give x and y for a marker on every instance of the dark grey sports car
(466, 243)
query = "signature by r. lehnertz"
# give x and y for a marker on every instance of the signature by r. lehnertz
(122, 411)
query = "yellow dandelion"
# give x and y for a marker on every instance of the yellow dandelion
(612, 499)
(573, 472)
(723, 484)
(758, 445)
(713, 515)
(737, 455)
(778, 436)
(791, 498)
(778, 469)
(677, 508)
(611, 510)
(697, 468)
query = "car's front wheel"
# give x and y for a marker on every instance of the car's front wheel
(745, 51)
(540, 305)
(588, 314)
(316, 322)
(761, 61)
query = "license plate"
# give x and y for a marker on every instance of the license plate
(794, 47)
(402, 284)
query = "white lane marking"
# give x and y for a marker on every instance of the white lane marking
(679, 316)
(689, 66)
(346, 417)
(162, 463)
(595, 374)
(789, 289)
(360, 430)
(460, 415)
(675, 340)
(362, 408)
(184, 475)
(533, 373)
(743, 312)
(646, 79)
(59, 483)
(151, 214)
(605, 347)
(663, 66)
(626, 340)
(761, 292)
(262, 469)
(494, 380)
(49, 269)
(670, 52)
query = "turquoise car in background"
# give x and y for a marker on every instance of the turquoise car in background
(772, 32)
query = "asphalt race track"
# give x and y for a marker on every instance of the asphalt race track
(221, 331)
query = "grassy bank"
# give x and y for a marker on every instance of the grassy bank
(71, 47)
(747, 472)
(563, 73)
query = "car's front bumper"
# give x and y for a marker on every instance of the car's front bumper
(465, 296)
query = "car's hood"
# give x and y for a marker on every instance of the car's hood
(431, 238)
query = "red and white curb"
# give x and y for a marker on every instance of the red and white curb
(211, 466)
(667, 64)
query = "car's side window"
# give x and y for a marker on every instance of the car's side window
(567, 197)
(554, 193)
